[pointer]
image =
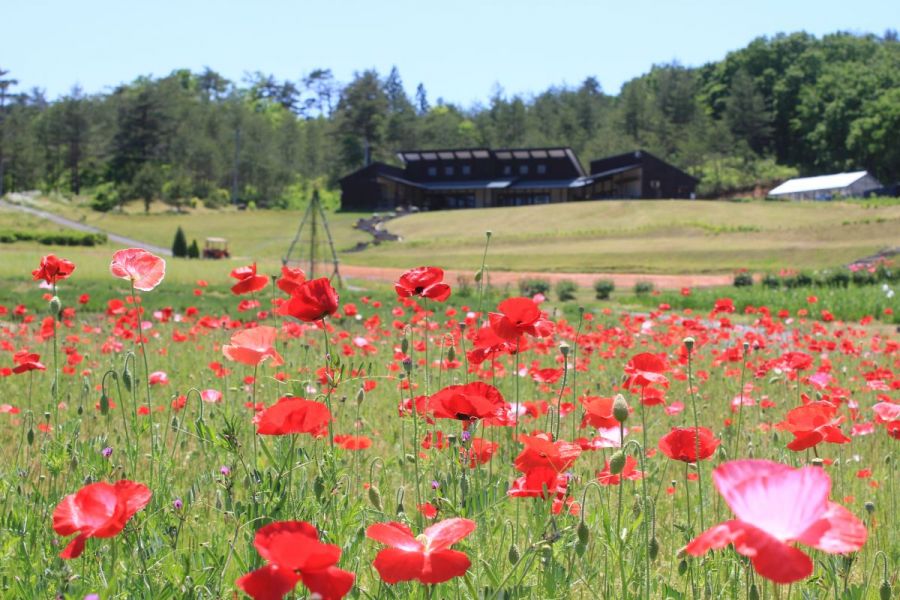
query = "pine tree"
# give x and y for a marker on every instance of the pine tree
(194, 250)
(179, 246)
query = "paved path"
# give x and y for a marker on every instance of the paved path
(125, 241)
(622, 280)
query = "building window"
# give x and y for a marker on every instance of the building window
(507, 170)
(523, 169)
(542, 169)
(448, 171)
(467, 169)
(432, 171)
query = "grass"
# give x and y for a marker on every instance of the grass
(611, 236)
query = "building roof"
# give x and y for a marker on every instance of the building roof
(819, 183)
(408, 156)
(547, 184)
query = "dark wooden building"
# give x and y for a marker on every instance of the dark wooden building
(480, 177)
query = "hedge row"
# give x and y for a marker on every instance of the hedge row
(62, 238)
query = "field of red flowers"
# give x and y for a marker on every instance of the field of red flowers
(324, 445)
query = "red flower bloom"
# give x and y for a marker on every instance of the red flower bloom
(248, 280)
(425, 282)
(628, 472)
(426, 558)
(253, 346)
(481, 451)
(311, 301)
(813, 423)
(53, 269)
(490, 345)
(776, 505)
(294, 554)
(98, 510)
(645, 369)
(144, 270)
(27, 361)
(467, 403)
(681, 444)
(539, 483)
(541, 451)
(290, 279)
(517, 317)
(353, 442)
(294, 415)
(598, 412)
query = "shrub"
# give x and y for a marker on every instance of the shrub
(218, 198)
(603, 288)
(797, 281)
(566, 289)
(863, 277)
(106, 198)
(642, 288)
(743, 280)
(62, 238)
(530, 287)
(179, 245)
(771, 281)
(838, 279)
(193, 250)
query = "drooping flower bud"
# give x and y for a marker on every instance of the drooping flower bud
(617, 462)
(620, 408)
(653, 549)
(375, 498)
(55, 306)
(513, 555)
(583, 532)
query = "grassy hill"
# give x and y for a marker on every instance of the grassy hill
(646, 236)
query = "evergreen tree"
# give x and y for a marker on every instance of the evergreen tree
(193, 250)
(179, 246)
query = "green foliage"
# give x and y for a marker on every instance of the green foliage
(566, 290)
(60, 238)
(179, 245)
(743, 280)
(531, 286)
(643, 288)
(603, 288)
(193, 250)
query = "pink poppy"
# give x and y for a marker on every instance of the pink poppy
(253, 346)
(776, 505)
(143, 269)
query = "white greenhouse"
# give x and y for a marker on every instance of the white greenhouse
(827, 187)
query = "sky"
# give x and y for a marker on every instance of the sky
(461, 50)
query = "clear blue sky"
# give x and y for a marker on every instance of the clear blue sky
(458, 48)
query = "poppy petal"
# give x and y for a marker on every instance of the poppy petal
(75, 548)
(444, 565)
(395, 535)
(442, 535)
(268, 583)
(838, 531)
(395, 565)
(330, 584)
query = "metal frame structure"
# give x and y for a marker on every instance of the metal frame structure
(313, 212)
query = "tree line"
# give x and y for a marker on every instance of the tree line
(789, 104)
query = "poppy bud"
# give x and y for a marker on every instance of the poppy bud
(55, 306)
(870, 507)
(410, 458)
(620, 409)
(104, 405)
(513, 554)
(564, 349)
(451, 354)
(653, 548)
(682, 567)
(884, 590)
(360, 396)
(30, 436)
(583, 533)
(617, 462)
(489, 233)
(746, 346)
(127, 378)
(407, 364)
(375, 498)
(688, 343)
(404, 345)
(580, 548)
(754, 592)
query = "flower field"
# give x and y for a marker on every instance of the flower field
(313, 442)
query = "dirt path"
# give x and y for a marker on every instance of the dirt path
(63, 221)
(622, 280)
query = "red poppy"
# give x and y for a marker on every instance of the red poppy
(775, 506)
(480, 451)
(427, 557)
(540, 482)
(248, 280)
(290, 279)
(311, 301)
(425, 282)
(53, 269)
(517, 317)
(253, 346)
(605, 477)
(467, 403)
(795, 361)
(293, 554)
(27, 361)
(681, 444)
(353, 442)
(144, 270)
(645, 369)
(541, 451)
(598, 412)
(294, 415)
(813, 423)
(98, 510)
(490, 345)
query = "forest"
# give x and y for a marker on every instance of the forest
(783, 105)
